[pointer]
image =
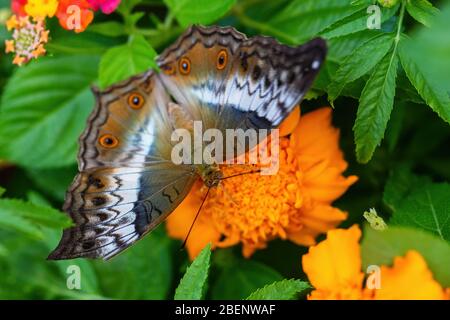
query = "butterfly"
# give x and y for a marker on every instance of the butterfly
(127, 184)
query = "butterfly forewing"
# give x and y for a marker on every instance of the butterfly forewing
(228, 81)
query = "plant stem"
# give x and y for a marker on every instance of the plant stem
(400, 21)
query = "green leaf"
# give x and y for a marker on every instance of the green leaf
(430, 48)
(427, 207)
(43, 111)
(241, 278)
(2, 191)
(37, 199)
(298, 21)
(28, 218)
(146, 267)
(395, 126)
(375, 106)
(406, 91)
(53, 182)
(340, 47)
(121, 62)
(356, 22)
(39, 214)
(434, 93)
(10, 221)
(108, 28)
(360, 62)
(194, 282)
(88, 281)
(399, 185)
(126, 7)
(189, 12)
(84, 43)
(280, 290)
(381, 247)
(361, 2)
(46, 279)
(422, 10)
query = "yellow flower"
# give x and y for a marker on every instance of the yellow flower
(294, 204)
(12, 23)
(41, 8)
(334, 269)
(39, 51)
(27, 41)
(409, 278)
(9, 46)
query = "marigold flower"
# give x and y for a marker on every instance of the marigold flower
(18, 7)
(334, 269)
(107, 6)
(75, 14)
(28, 39)
(294, 204)
(41, 8)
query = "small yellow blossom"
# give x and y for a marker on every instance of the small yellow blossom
(41, 8)
(18, 60)
(334, 269)
(39, 51)
(9, 46)
(27, 41)
(12, 23)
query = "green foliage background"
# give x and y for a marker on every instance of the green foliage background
(390, 92)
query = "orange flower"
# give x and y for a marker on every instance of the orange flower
(334, 269)
(75, 14)
(294, 204)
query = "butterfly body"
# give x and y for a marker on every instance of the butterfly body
(127, 182)
(211, 175)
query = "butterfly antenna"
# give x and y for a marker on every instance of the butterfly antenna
(195, 219)
(241, 174)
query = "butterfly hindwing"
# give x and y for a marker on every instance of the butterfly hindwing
(127, 188)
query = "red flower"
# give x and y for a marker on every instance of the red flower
(17, 7)
(74, 14)
(107, 6)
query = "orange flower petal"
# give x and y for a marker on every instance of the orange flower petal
(410, 279)
(289, 124)
(9, 46)
(77, 21)
(316, 136)
(181, 219)
(322, 218)
(335, 263)
(39, 51)
(12, 23)
(18, 60)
